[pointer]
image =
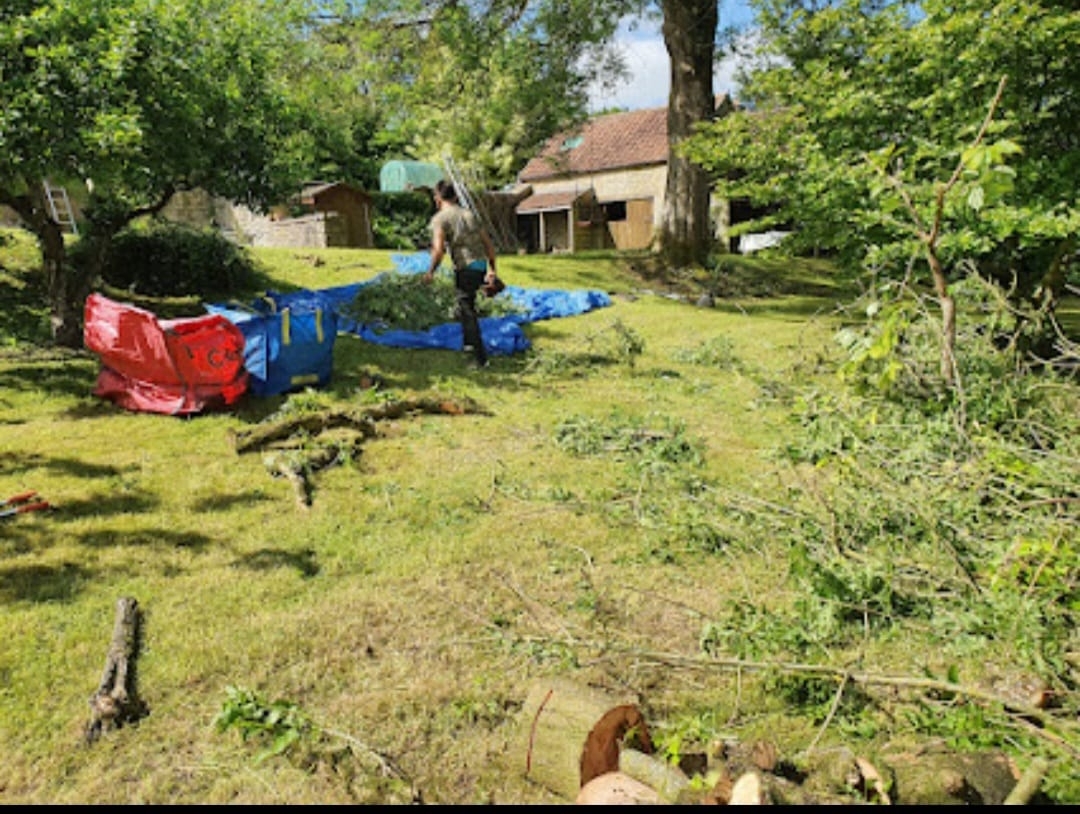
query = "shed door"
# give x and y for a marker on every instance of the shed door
(635, 230)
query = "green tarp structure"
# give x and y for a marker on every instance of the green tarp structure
(404, 176)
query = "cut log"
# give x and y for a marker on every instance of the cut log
(616, 789)
(951, 778)
(669, 782)
(747, 791)
(1028, 785)
(573, 733)
(116, 701)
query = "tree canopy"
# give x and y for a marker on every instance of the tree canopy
(858, 112)
(140, 98)
(483, 83)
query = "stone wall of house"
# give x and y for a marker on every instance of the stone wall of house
(193, 208)
(317, 230)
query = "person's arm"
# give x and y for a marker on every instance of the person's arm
(489, 247)
(438, 251)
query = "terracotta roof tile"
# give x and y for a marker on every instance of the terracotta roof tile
(609, 142)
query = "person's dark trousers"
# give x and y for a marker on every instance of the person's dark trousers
(467, 282)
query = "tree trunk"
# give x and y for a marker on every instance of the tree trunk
(689, 35)
(948, 318)
(67, 293)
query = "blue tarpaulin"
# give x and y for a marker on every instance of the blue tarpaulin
(503, 335)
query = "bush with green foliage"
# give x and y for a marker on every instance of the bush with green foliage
(171, 260)
(401, 220)
(975, 484)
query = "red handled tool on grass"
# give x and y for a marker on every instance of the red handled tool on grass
(22, 502)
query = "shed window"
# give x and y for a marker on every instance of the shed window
(571, 143)
(615, 211)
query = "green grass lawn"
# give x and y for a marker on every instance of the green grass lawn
(437, 575)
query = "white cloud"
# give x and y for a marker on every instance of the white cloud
(647, 61)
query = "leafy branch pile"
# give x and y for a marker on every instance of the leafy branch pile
(912, 513)
(397, 301)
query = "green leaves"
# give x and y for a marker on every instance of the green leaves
(279, 725)
(992, 177)
(860, 116)
(486, 84)
(399, 301)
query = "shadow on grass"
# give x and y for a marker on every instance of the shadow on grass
(146, 537)
(107, 505)
(72, 376)
(224, 503)
(266, 559)
(72, 467)
(794, 307)
(43, 583)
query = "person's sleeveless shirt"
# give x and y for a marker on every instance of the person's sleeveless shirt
(462, 231)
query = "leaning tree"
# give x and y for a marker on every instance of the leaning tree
(138, 100)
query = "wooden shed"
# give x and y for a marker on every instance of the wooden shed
(565, 221)
(351, 204)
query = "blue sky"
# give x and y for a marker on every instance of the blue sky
(647, 60)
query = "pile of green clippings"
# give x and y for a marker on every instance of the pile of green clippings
(398, 301)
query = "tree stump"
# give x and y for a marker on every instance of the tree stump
(116, 701)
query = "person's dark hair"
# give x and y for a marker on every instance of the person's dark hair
(446, 190)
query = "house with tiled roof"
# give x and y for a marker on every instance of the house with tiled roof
(600, 186)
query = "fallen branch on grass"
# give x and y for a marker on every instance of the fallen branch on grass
(116, 701)
(1039, 723)
(362, 421)
(296, 452)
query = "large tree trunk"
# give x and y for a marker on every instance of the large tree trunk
(69, 286)
(689, 35)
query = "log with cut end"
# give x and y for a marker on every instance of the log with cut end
(573, 734)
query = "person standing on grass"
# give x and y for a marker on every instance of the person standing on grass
(459, 231)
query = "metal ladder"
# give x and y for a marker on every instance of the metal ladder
(60, 207)
(504, 240)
